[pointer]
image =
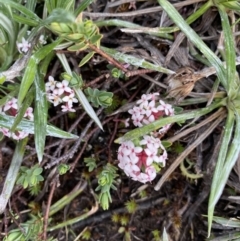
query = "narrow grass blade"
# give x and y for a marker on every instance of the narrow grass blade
(196, 40)
(61, 203)
(82, 6)
(229, 47)
(31, 69)
(80, 95)
(12, 174)
(67, 5)
(138, 132)
(220, 178)
(40, 116)
(126, 24)
(87, 107)
(26, 12)
(227, 222)
(28, 126)
(165, 236)
(128, 59)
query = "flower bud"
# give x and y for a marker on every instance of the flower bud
(65, 28)
(56, 27)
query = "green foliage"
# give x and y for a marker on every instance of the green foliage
(34, 190)
(116, 218)
(156, 235)
(29, 177)
(63, 168)
(82, 33)
(143, 194)
(32, 229)
(131, 206)
(90, 163)
(98, 97)
(86, 235)
(124, 219)
(8, 36)
(74, 80)
(116, 73)
(178, 147)
(106, 181)
(116, 102)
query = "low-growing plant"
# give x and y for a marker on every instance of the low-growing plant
(28, 44)
(30, 177)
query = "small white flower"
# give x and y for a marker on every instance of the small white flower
(70, 99)
(55, 99)
(68, 108)
(42, 39)
(165, 107)
(51, 84)
(144, 100)
(24, 46)
(63, 87)
(126, 122)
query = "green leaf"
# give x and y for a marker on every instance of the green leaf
(60, 204)
(95, 38)
(78, 47)
(138, 132)
(129, 59)
(196, 40)
(223, 168)
(40, 116)
(87, 107)
(31, 69)
(12, 173)
(25, 20)
(37, 171)
(28, 126)
(60, 15)
(27, 102)
(166, 144)
(229, 47)
(53, 5)
(82, 6)
(80, 95)
(26, 12)
(86, 58)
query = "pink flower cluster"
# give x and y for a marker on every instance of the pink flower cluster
(11, 108)
(149, 109)
(60, 92)
(143, 158)
(141, 161)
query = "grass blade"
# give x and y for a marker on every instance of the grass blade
(138, 132)
(12, 174)
(40, 116)
(28, 126)
(31, 69)
(196, 40)
(229, 47)
(124, 58)
(224, 167)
